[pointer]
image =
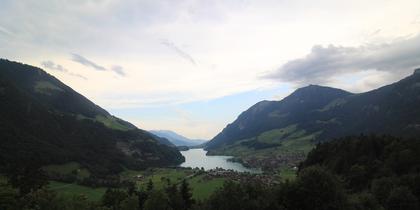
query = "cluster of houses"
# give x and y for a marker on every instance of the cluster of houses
(267, 179)
(276, 161)
(264, 178)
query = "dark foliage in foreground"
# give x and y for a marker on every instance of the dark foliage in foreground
(354, 173)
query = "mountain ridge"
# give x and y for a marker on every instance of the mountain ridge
(315, 114)
(41, 115)
(252, 115)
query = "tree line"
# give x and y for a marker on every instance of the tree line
(351, 173)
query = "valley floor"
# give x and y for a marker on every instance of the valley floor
(202, 183)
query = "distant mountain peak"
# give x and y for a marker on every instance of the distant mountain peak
(311, 91)
(312, 87)
(176, 139)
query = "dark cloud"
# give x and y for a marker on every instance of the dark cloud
(77, 75)
(119, 70)
(180, 52)
(51, 65)
(57, 67)
(84, 61)
(324, 63)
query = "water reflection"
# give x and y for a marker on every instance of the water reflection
(198, 158)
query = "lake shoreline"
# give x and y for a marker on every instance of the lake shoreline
(198, 158)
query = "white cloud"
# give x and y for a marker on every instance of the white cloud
(177, 50)
(323, 64)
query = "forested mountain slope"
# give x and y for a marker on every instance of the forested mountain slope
(43, 121)
(315, 114)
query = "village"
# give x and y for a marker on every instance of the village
(272, 162)
(264, 178)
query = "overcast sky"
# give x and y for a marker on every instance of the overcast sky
(192, 66)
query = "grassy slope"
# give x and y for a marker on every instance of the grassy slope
(46, 87)
(285, 141)
(108, 121)
(111, 122)
(67, 168)
(70, 190)
(3, 179)
(201, 188)
(287, 173)
(282, 140)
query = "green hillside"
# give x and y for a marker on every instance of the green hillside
(45, 122)
(278, 133)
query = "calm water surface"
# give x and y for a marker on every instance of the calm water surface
(198, 158)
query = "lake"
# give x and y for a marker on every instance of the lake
(198, 158)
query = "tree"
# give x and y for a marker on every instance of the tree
(230, 196)
(382, 187)
(141, 197)
(247, 195)
(149, 185)
(365, 201)
(157, 200)
(174, 197)
(113, 198)
(319, 189)
(7, 196)
(26, 177)
(40, 199)
(358, 177)
(401, 198)
(131, 188)
(130, 203)
(186, 194)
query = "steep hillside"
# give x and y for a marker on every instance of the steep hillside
(43, 121)
(273, 133)
(268, 115)
(176, 139)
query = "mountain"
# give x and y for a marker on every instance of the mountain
(43, 121)
(274, 133)
(162, 140)
(176, 139)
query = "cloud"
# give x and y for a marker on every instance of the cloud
(5, 31)
(51, 65)
(322, 64)
(375, 32)
(180, 52)
(57, 67)
(84, 61)
(119, 70)
(77, 75)
(416, 20)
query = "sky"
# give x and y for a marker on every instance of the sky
(192, 66)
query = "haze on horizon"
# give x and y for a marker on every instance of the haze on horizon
(193, 66)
